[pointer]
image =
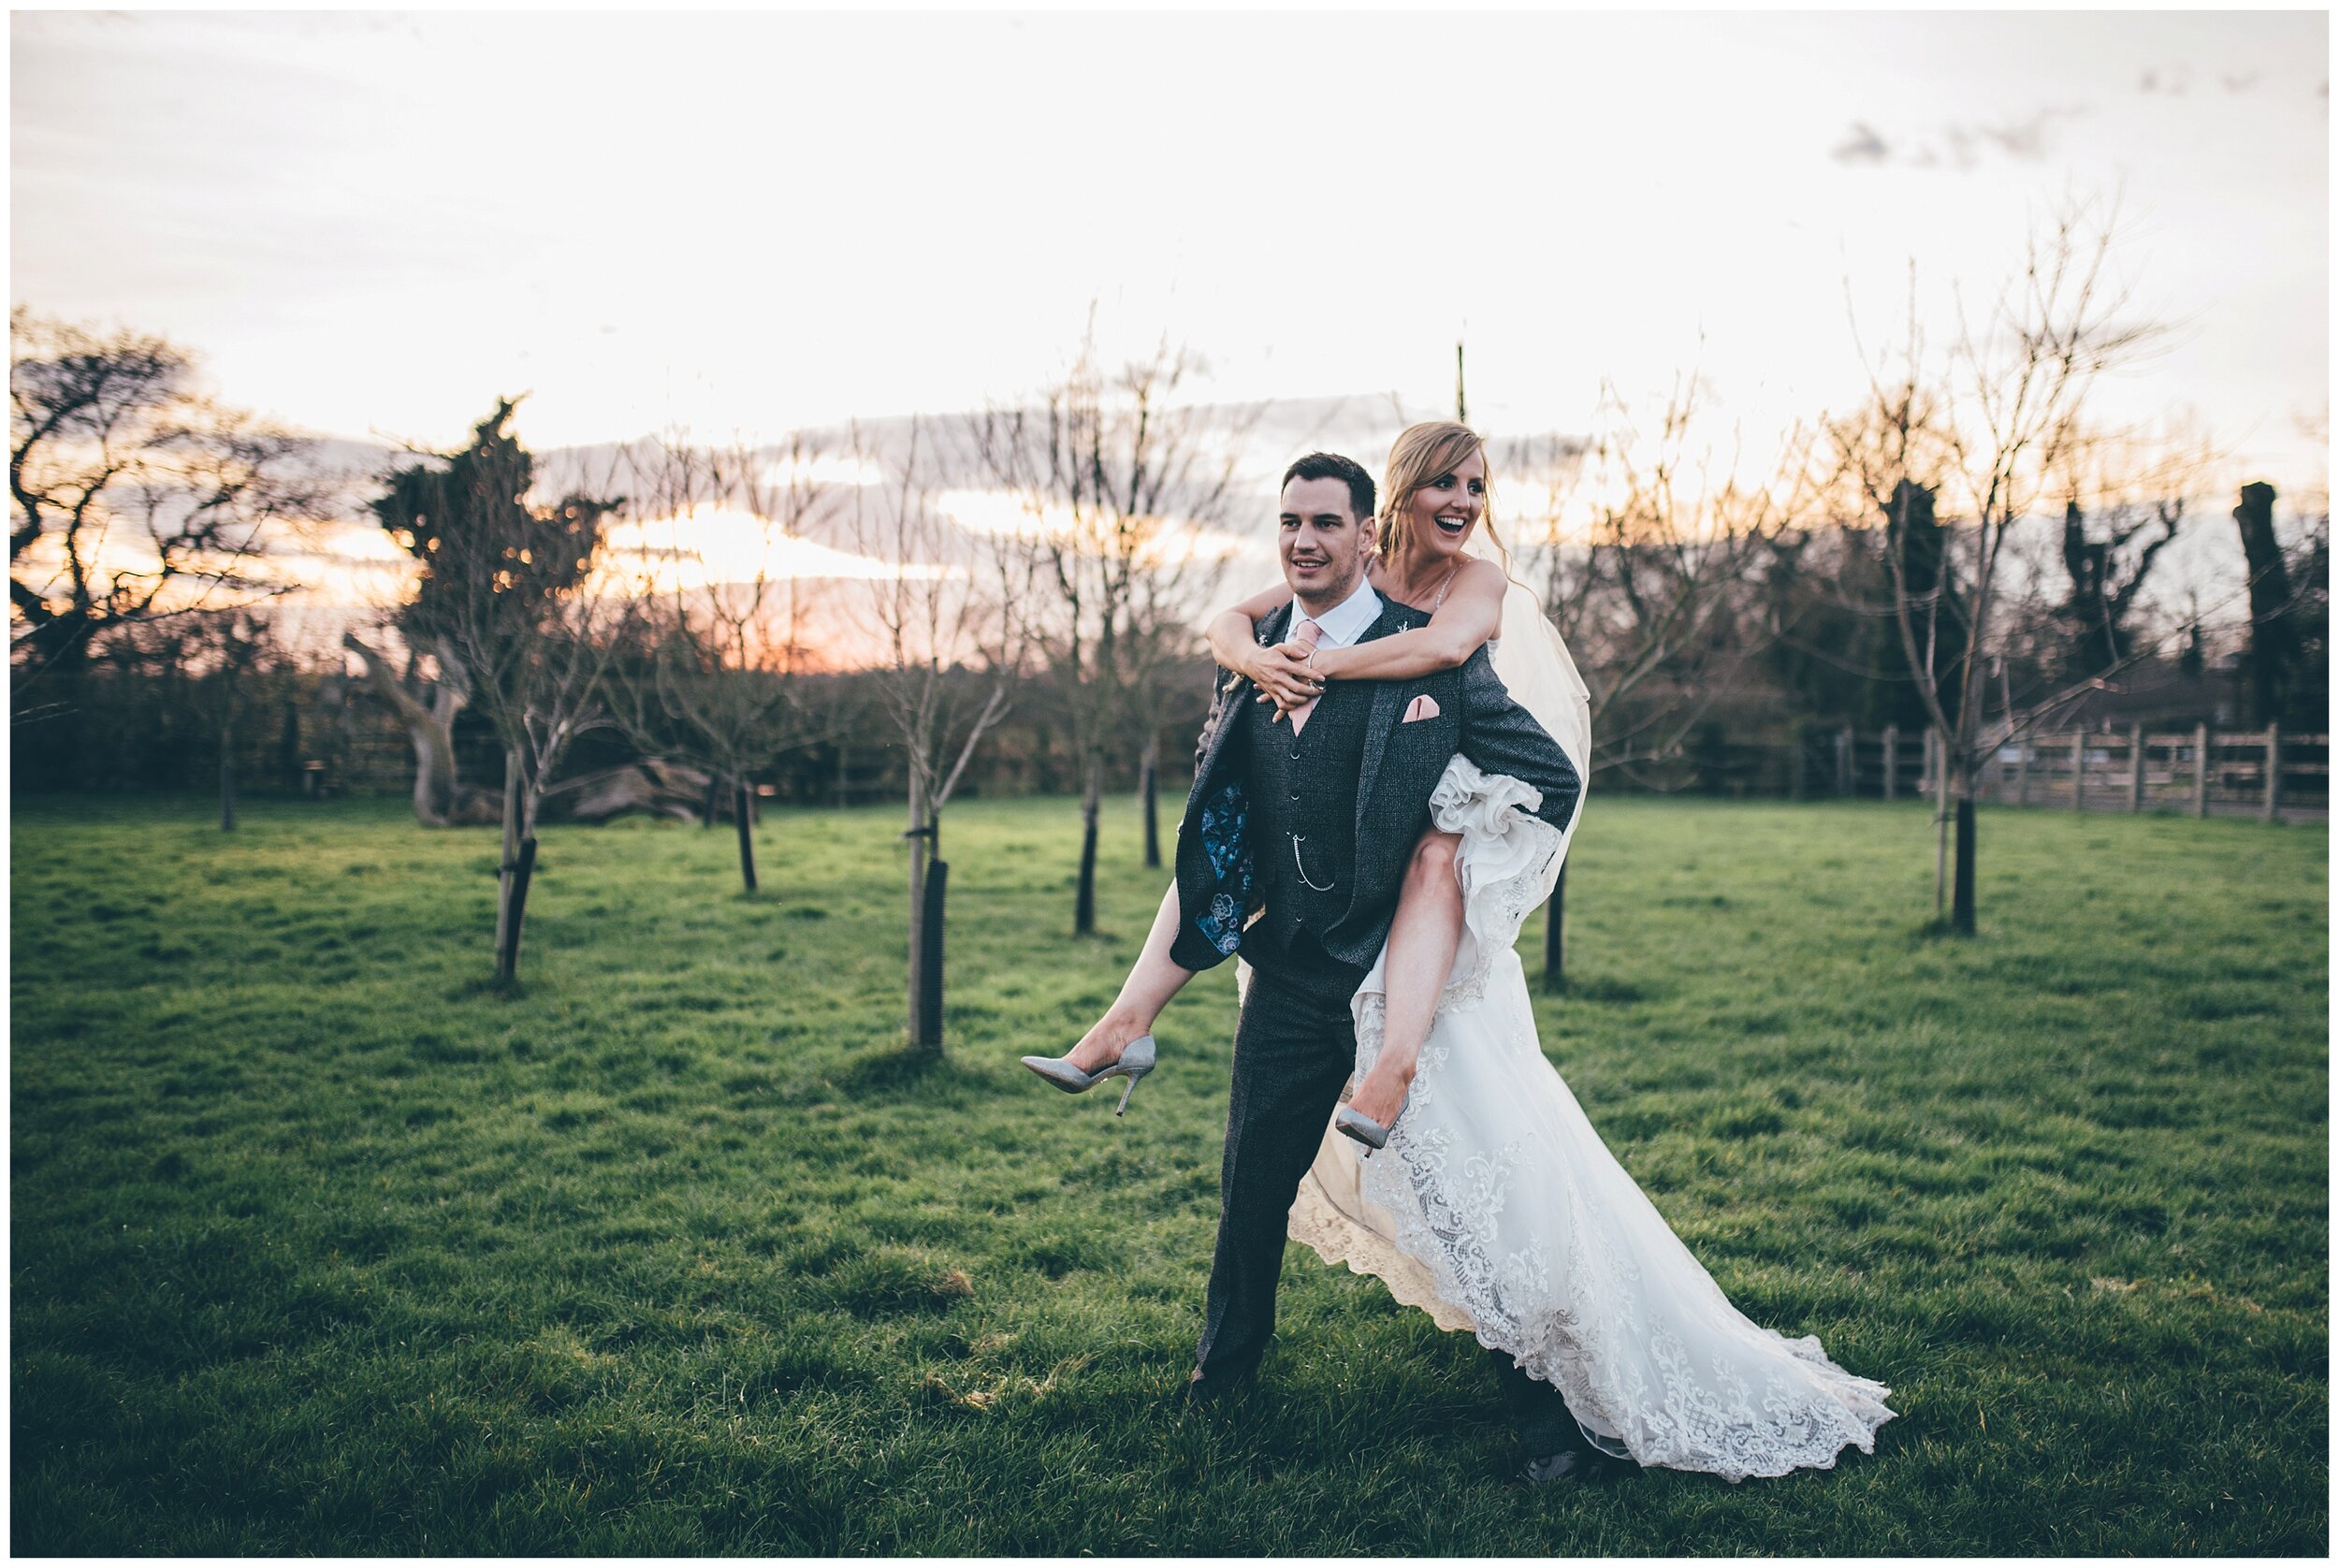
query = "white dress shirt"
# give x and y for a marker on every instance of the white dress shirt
(1342, 625)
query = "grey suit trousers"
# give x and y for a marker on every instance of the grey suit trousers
(1293, 1050)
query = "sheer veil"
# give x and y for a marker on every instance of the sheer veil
(1533, 659)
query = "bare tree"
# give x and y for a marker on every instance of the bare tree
(543, 693)
(949, 647)
(1647, 568)
(1118, 480)
(237, 645)
(1648, 561)
(2124, 498)
(135, 497)
(1994, 425)
(725, 672)
(1160, 666)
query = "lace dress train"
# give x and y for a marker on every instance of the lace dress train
(1497, 1210)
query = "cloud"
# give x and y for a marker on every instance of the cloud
(2025, 138)
(1958, 146)
(2174, 81)
(1864, 146)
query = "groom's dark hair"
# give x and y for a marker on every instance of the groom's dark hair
(1331, 465)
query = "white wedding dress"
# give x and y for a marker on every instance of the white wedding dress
(1497, 1210)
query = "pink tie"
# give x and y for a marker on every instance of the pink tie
(1307, 637)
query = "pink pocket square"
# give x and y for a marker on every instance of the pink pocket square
(1423, 706)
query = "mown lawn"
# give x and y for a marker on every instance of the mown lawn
(321, 1246)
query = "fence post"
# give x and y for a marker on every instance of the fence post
(2200, 770)
(1892, 760)
(927, 1023)
(2273, 770)
(1847, 774)
(2022, 770)
(2135, 768)
(743, 809)
(2079, 770)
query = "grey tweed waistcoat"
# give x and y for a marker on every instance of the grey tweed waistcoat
(1302, 822)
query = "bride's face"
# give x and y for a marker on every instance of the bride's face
(1442, 512)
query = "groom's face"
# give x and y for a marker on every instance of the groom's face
(1322, 542)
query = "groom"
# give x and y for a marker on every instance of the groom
(1294, 845)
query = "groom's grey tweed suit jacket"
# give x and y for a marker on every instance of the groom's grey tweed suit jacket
(1218, 890)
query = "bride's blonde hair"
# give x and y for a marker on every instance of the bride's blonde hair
(1422, 454)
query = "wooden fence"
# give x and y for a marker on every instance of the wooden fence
(2202, 772)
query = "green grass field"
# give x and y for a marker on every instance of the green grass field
(322, 1246)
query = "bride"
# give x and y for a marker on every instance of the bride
(1497, 1209)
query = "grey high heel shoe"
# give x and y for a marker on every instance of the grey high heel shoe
(1364, 1128)
(1136, 1060)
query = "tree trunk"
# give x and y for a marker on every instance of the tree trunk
(2273, 771)
(431, 730)
(2200, 770)
(747, 834)
(1085, 896)
(1150, 788)
(926, 1019)
(2274, 645)
(714, 799)
(1555, 936)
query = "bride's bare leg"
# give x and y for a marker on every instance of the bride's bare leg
(1422, 940)
(1153, 980)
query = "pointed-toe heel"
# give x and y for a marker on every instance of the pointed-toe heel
(1136, 1060)
(1364, 1128)
(1060, 1073)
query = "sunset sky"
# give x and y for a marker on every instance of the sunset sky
(373, 223)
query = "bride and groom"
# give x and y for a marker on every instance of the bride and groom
(1386, 788)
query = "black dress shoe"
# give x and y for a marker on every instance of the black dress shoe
(1572, 1464)
(1215, 1391)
